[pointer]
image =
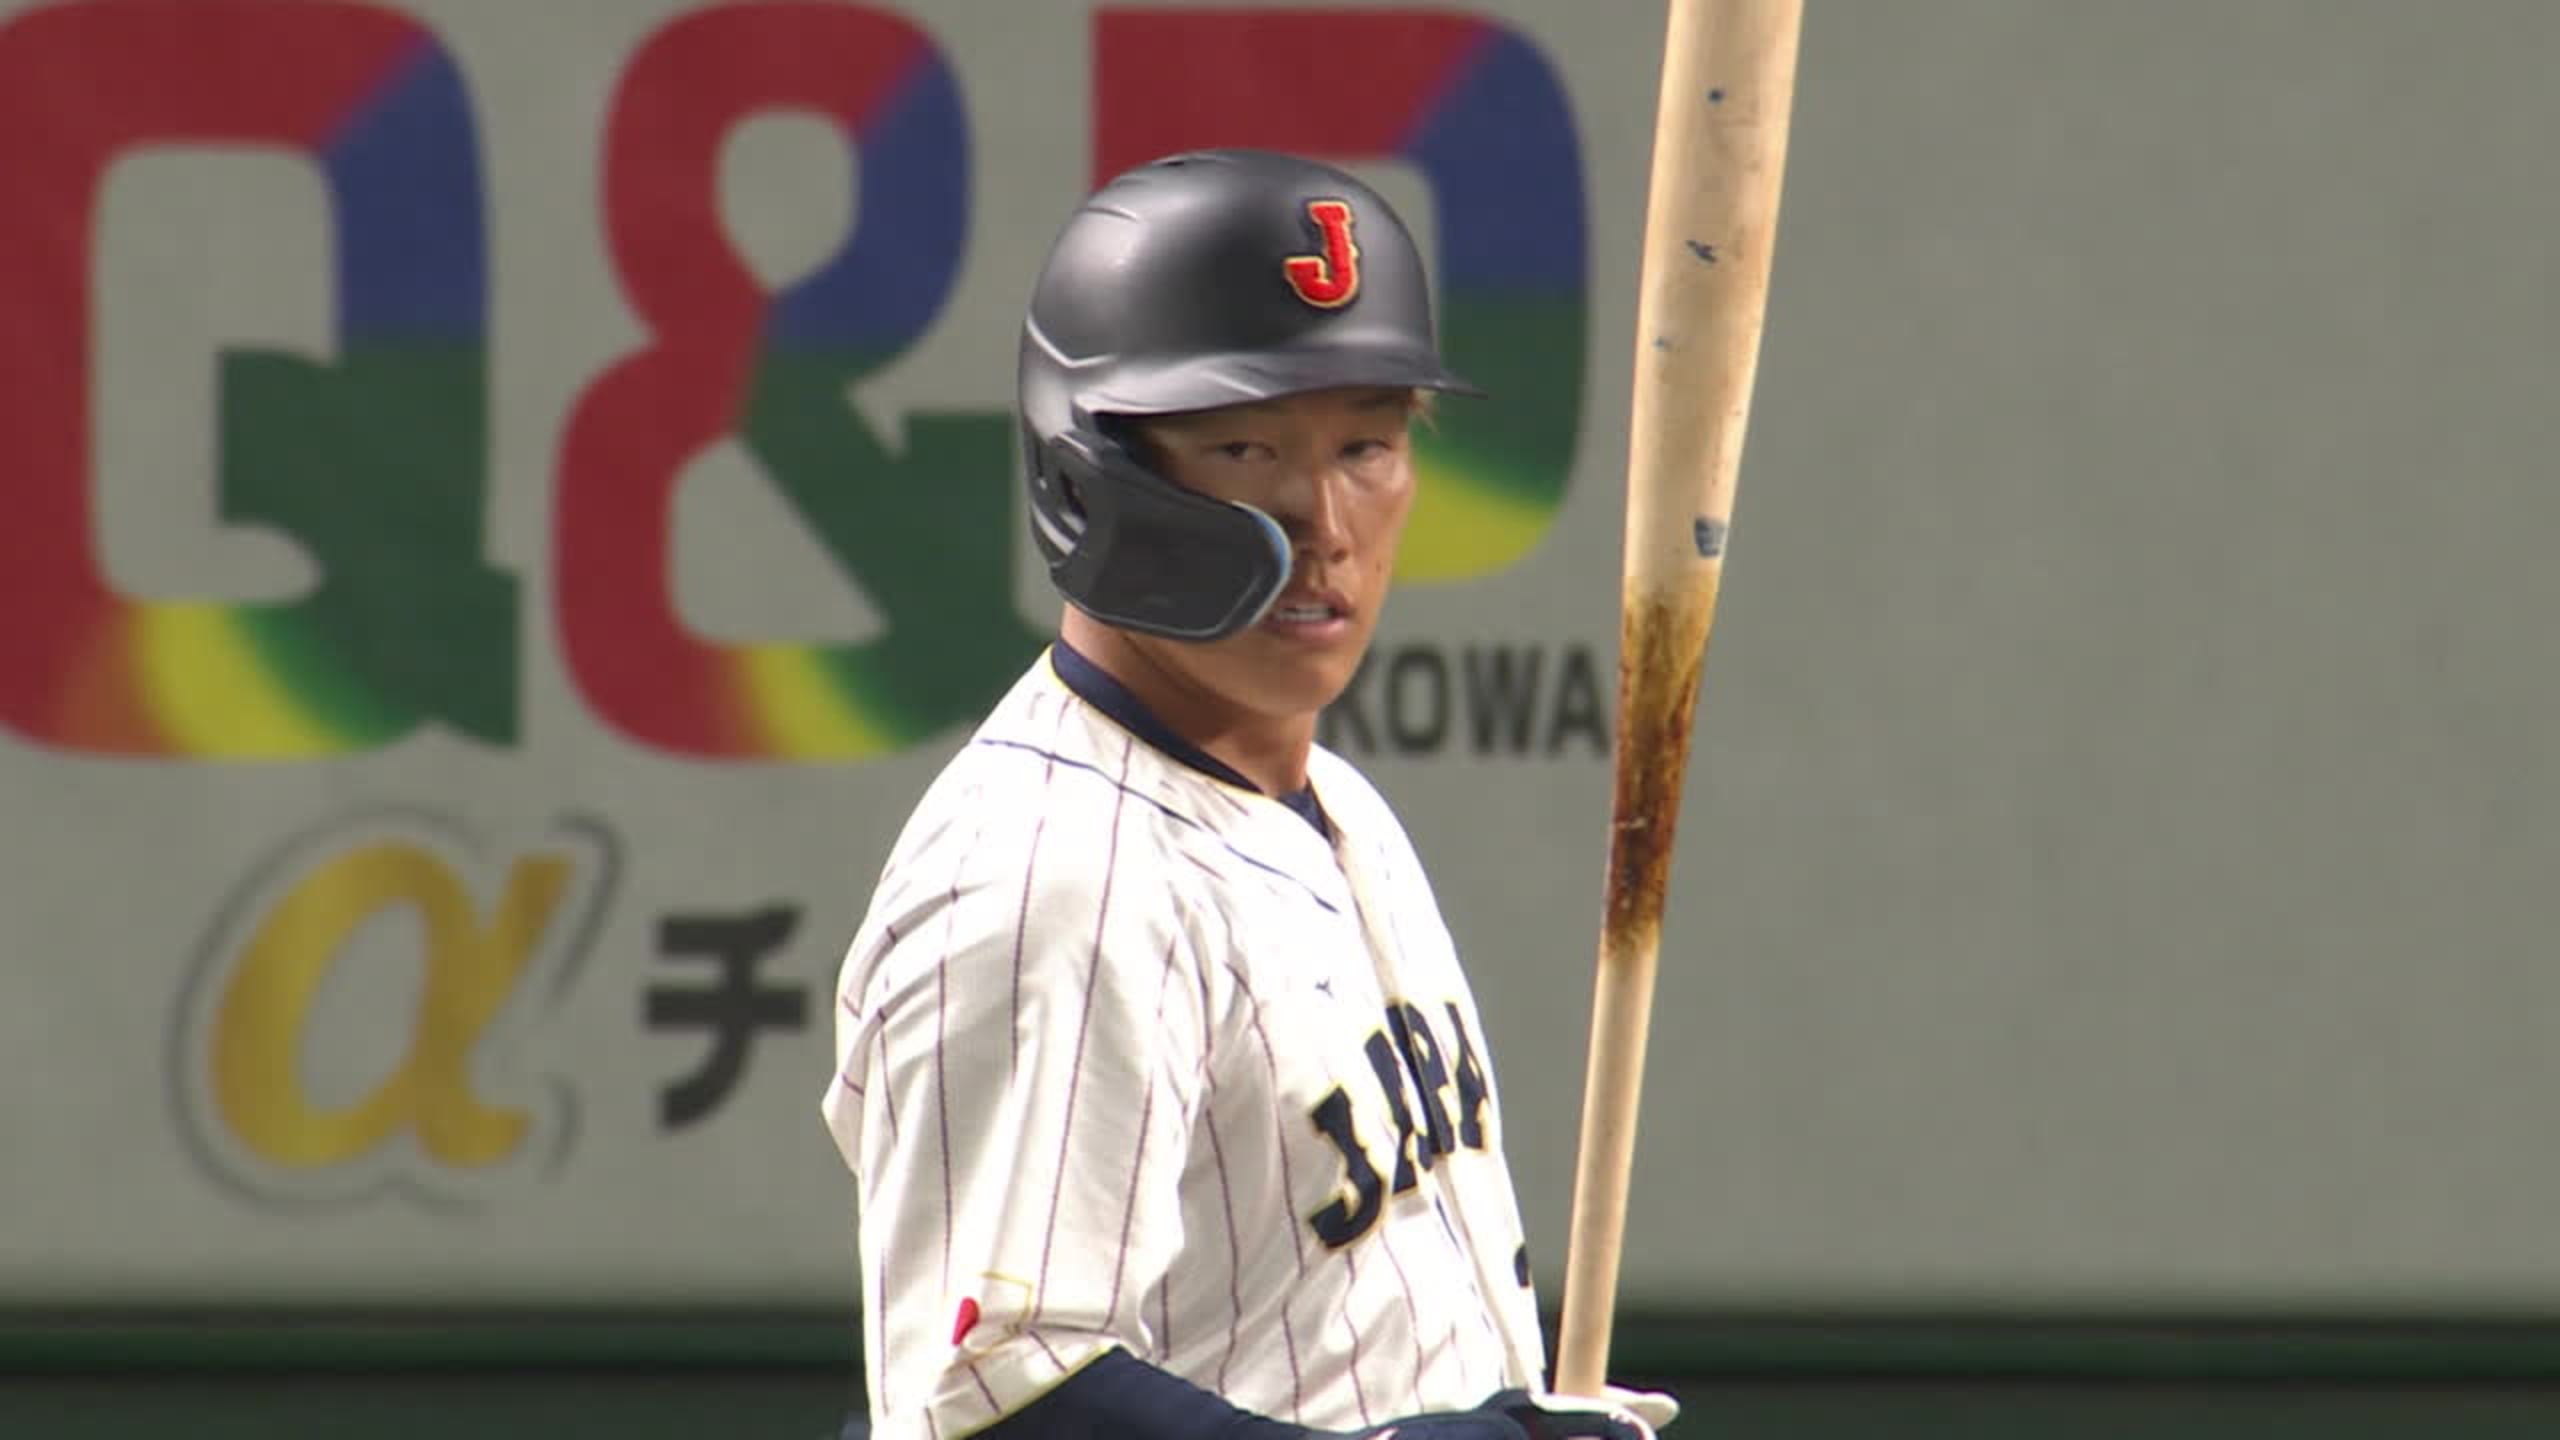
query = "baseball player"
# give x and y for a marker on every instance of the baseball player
(1168, 1103)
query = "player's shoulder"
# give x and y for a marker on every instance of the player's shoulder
(1062, 804)
(1048, 778)
(1031, 840)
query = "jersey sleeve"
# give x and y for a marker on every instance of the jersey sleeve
(1022, 1033)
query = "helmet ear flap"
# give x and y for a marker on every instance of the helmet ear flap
(1057, 507)
(1134, 550)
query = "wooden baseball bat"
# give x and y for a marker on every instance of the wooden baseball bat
(1719, 153)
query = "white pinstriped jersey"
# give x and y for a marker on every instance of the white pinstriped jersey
(1131, 1056)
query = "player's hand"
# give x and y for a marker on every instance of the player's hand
(1615, 1414)
(1656, 1409)
(1619, 1414)
(1516, 1415)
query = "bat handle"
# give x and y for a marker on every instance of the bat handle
(1622, 1005)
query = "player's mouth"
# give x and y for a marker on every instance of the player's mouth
(1312, 616)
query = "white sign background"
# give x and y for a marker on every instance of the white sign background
(2117, 865)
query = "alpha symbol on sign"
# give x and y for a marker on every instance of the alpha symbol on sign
(1328, 280)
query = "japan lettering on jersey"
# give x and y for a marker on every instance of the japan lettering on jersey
(1131, 1056)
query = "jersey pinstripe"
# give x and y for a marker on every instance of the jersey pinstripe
(1128, 1055)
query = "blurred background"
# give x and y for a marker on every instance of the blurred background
(507, 504)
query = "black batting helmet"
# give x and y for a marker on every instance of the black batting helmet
(1199, 280)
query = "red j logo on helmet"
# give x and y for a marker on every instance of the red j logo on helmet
(1328, 281)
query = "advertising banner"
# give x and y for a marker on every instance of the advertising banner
(504, 507)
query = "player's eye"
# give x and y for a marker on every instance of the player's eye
(1370, 458)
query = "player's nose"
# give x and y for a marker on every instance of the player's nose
(1319, 518)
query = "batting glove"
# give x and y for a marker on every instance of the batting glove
(1616, 1413)
(1536, 1415)
(1654, 1409)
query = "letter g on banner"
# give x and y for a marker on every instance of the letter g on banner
(408, 622)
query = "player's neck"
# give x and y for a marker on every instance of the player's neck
(1271, 754)
(1269, 750)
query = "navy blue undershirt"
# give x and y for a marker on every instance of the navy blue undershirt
(1117, 1396)
(1098, 689)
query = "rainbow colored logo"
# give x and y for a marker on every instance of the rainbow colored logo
(373, 462)
(926, 526)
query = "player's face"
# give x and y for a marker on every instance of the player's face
(1335, 469)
